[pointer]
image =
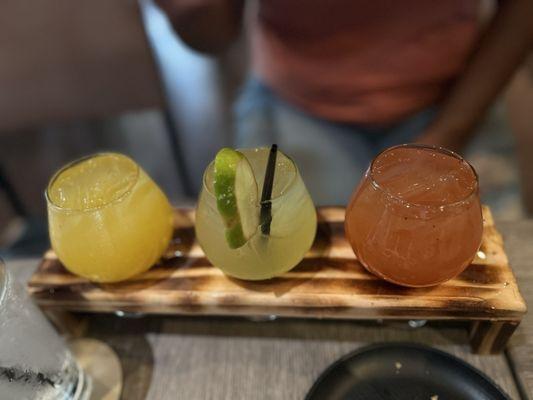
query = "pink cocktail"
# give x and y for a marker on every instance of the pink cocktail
(415, 219)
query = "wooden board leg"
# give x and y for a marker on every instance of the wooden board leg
(491, 337)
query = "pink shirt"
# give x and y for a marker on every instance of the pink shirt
(362, 61)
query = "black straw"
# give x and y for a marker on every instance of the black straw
(266, 196)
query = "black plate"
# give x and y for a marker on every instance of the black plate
(399, 371)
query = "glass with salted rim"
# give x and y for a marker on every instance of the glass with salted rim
(415, 219)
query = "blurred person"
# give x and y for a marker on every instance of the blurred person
(335, 82)
(519, 104)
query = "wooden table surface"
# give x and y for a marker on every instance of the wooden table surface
(230, 358)
(519, 245)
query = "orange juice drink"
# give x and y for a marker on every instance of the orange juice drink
(107, 219)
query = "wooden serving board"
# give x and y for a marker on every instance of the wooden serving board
(328, 283)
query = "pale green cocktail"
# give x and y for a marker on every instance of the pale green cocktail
(292, 228)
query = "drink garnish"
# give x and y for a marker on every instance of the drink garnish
(266, 196)
(236, 195)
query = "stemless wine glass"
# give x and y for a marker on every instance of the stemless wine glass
(415, 219)
(292, 231)
(107, 219)
(34, 361)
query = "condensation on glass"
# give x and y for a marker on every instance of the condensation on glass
(35, 363)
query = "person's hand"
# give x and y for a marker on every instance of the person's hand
(454, 141)
(207, 26)
(502, 48)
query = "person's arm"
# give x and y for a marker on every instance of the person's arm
(208, 26)
(500, 52)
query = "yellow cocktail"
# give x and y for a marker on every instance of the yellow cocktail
(107, 219)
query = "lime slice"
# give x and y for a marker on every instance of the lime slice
(236, 194)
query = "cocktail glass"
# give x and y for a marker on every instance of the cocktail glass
(35, 363)
(108, 220)
(415, 219)
(292, 229)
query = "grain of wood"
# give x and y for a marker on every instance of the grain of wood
(235, 359)
(328, 283)
(228, 358)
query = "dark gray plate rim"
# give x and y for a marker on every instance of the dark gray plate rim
(389, 345)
